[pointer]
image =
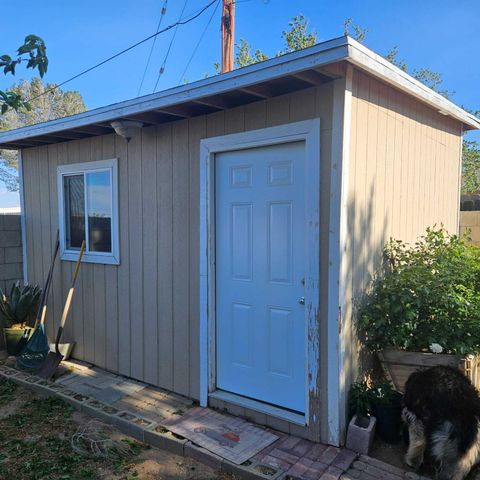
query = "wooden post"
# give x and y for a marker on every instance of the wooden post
(228, 30)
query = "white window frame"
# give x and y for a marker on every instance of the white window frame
(63, 171)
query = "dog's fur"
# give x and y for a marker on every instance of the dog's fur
(442, 411)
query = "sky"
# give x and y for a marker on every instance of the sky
(439, 34)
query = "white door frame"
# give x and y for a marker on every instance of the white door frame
(309, 132)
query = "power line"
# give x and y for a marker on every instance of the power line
(173, 25)
(199, 42)
(162, 14)
(162, 66)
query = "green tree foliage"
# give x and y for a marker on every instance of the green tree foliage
(34, 53)
(298, 37)
(47, 103)
(244, 54)
(355, 31)
(471, 167)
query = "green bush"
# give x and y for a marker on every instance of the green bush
(19, 308)
(427, 293)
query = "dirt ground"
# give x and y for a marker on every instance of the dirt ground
(35, 444)
(394, 453)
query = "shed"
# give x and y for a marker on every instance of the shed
(228, 241)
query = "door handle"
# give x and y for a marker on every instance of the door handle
(301, 300)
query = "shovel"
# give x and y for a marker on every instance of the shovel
(48, 367)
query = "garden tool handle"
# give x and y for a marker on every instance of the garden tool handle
(69, 297)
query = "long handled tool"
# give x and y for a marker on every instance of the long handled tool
(48, 367)
(36, 348)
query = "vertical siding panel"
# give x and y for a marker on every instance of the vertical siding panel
(359, 242)
(135, 161)
(278, 111)
(181, 292)
(123, 272)
(44, 212)
(75, 316)
(216, 124)
(111, 285)
(150, 239)
(85, 329)
(255, 115)
(165, 256)
(390, 167)
(37, 219)
(27, 164)
(235, 120)
(371, 176)
(54, 304)
(99, 308)
(302, 105)
(197, 131)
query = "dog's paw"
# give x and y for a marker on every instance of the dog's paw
(413, 462)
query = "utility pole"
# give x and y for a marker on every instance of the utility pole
(228, 31)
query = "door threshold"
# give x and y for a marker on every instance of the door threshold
(272, 410)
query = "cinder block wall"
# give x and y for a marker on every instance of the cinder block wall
(10, 250)
(470, 221)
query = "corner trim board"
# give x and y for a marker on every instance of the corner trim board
(23, 222)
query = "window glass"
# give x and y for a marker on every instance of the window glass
(99, 207)
(74, 211)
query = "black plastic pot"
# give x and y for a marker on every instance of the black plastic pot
(389, 419)
(13, 339)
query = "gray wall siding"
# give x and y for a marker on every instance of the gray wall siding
(141, 318)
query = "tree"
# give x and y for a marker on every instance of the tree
(46, 103)
(298, 37)
(34, 52)
(244, 55)
(470, 167)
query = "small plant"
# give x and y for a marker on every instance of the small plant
(19, 308)
(360, 399)
(428, 293)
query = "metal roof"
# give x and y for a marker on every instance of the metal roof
(277, 76)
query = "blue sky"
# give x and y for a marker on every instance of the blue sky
(441, 35)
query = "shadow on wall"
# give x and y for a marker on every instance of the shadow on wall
(367, 234)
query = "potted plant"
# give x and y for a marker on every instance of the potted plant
(387, 407)
(16, 314)
(361, 429)
(423, 308)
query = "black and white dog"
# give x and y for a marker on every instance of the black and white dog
(442, 411)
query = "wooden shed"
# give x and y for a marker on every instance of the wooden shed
(228, 240)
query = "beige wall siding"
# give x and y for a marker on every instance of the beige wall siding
(403, 177)
(141, 318)
(470, 225)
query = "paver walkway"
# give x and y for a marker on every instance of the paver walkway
(143, 409)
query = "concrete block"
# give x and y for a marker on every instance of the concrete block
(360, 434)
(12, 255)
(159, 438)
(203, 456)
(10, 271)
(10, 238)
(11, 222)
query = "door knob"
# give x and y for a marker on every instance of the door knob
(301, 300)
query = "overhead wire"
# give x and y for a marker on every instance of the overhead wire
(162, 66)
(162, 15)
(189, 19)
(199, 42)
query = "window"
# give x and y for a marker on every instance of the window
(88, 209)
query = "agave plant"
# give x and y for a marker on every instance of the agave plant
(20, 306)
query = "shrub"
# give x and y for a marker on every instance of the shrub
(427, 293)
(20, 306)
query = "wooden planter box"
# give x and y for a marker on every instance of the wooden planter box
(398, 365)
